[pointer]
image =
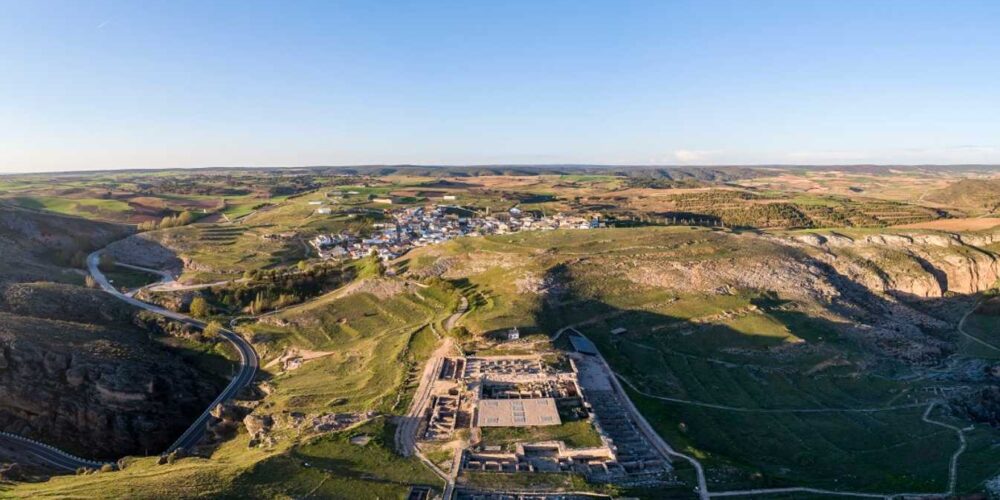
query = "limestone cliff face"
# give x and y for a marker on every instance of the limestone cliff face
(920, 265)
(95, 386)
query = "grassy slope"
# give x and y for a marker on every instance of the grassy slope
(726, 361)
(337, 469)
(974, 195)
(224, 251)
(87, 207)
(377, 353)
(376, 346)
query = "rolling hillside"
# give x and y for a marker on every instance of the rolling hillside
(977, 196)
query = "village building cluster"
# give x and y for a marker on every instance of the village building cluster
(421, 226)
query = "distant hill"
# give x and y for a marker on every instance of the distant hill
(712, 174)
(667, 170)
(974, 195)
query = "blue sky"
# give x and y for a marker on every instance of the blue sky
(116, 84)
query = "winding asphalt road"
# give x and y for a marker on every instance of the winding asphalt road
(249, 362)
(46, 453)
(248, 357)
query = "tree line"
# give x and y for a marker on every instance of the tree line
(267, 290)
(182, 219)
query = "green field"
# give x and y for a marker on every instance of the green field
(332, 467)
(85, 207)
(578, 434)
(376, 350)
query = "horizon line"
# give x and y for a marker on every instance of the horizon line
(515, 165)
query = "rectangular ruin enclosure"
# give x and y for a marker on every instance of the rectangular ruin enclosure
(518, 412)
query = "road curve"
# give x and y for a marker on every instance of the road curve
(249, 363)
(47, 453)
(248, 357)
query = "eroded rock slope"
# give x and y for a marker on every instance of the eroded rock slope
(91, 382)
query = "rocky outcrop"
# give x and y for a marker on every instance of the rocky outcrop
(919, 265)
(257, 424)
(980, 239)
(776, 269)
(867, 282)
(96, 386)
(980, 406)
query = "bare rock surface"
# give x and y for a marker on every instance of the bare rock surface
(93, 383)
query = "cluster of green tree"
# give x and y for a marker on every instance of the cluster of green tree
(106, 262)
(971, 194)
(370, 266)
(765, 215)
(199, 307)
(711, 198)
(237, 183)
(181, 219)
(744, 209)
(291, 185)
(704, 174)
(160, 325)
(534, 197)
(874, 213)
(204, 185)
(66, 257)
(281, 190)
(267, 290)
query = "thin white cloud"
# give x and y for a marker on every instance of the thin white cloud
(692, 156)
